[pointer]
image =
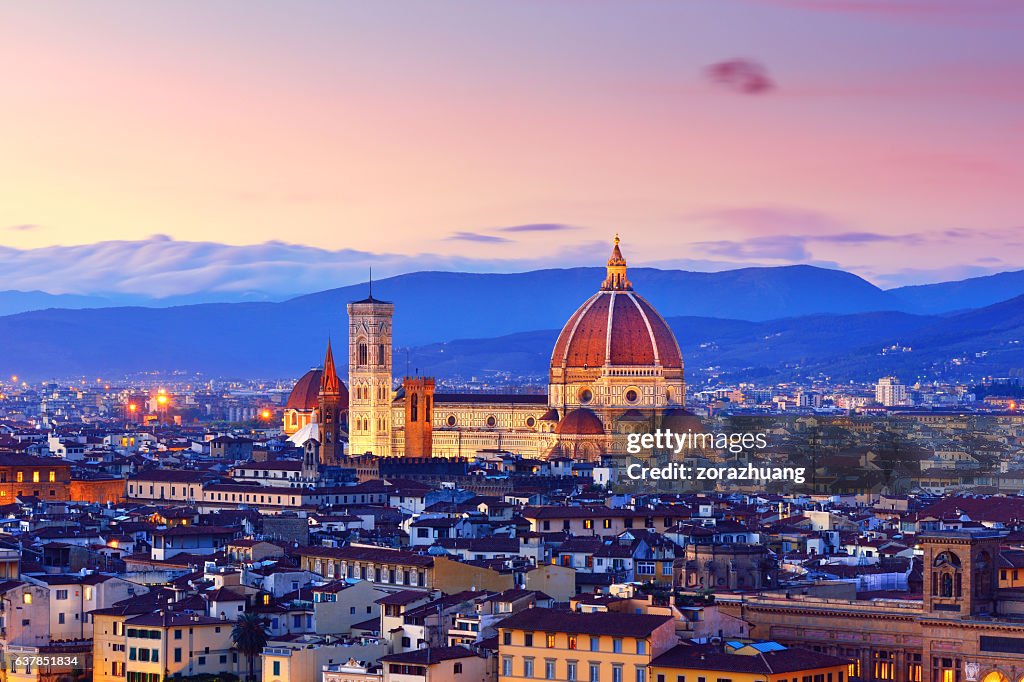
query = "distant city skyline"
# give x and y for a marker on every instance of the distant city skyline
(875, 136)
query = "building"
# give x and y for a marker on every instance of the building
(616, 368)
(369, 376)
(47, 478)
(746, 662)
(964, 628)
(891, 393)
(564, 645)
(436, 664)
(302, 402)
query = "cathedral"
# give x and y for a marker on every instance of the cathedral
(616, 369)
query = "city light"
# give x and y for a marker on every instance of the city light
(161, 399)
(265, 414)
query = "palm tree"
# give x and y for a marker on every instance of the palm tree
(249, 635)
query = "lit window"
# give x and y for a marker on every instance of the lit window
(53, 477)
(27, 598)
(21, 477)
(35, 477)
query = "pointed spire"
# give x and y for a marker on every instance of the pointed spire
(616, 280)
(371, 282)
(329, 382)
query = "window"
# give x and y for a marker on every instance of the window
(60, 618)
(641, 674)
(26, 598)
(527, 667)
(457, 668)
(570, 671)
(595, 643)
(549, 669)
(62, 594)
(617, 646)
(572, 641)
(177, 655)
(527, 639)
(53, 477)
(202, 660)
(506, 666)
(641, 646)
(885, 665)
(595, 672)
(550, 639)
(506, 638)
(277, 668)
(132, 653)
(588, 523)
(21, 477)
(913, 667)
(616, 673)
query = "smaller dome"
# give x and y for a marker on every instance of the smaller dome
(580, 422)
(680, 420)
(307, 389)
(550, 416)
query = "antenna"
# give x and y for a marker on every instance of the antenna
(371, 281)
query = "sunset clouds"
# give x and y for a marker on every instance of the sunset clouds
(716, 134)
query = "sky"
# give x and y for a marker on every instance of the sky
(159, 145)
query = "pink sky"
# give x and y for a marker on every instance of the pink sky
(885, 136)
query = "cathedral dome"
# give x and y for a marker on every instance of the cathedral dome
(616, 327)
(580, 422)
(305, 392)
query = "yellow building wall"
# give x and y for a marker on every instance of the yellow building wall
(453, 576)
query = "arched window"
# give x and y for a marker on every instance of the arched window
(414, 407)
(362, 358)
(947, 585)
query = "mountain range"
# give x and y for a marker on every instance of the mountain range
(753, 321)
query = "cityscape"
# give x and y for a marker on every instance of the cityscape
(619, 341)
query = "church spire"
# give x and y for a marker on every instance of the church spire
(616, 277)
(329, 382)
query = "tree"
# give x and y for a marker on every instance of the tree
(249, 635)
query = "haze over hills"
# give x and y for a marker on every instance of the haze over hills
(775, 320)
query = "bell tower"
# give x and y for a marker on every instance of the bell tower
(331, 413)
(961, 571)
(369, 376)
(419, 414)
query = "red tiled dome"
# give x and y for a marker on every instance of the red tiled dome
(304, 394)
(307, 389)
(616, 328)
(580, 422)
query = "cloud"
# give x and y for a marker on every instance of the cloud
(951, 273)
(773, 248)
(538, 227)
(27, 227)
(854, 238)
(479, 237)
(921, 9)
(767, 220)
(744, 76)
(162, 269)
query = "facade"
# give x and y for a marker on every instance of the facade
(965, 629)
(558, 645)
(890, 392)
(47, 478)
(369, 376)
